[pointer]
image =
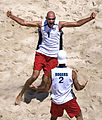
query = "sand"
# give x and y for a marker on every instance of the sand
(17, 52)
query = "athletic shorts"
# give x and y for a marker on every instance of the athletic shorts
(44, 62)
(72, 108)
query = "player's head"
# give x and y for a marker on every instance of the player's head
(50, 18)
(62, 57)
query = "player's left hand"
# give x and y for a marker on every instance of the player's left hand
(93, 15)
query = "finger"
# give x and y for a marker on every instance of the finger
(86, 82)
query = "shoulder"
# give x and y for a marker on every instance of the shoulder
(74, 75)
(61, 24)
(73, 72)
(39, 23)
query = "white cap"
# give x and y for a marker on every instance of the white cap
(62, 57)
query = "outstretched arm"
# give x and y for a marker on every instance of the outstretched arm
(23, 22)
(76, 83)
(78, 23)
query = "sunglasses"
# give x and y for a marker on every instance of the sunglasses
(51, 18)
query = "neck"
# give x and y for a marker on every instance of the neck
(61, 65)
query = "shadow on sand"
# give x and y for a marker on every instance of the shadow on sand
(33, 94)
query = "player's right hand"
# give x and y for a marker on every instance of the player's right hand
(9, 13)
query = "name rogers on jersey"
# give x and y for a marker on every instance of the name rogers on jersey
(61, 74)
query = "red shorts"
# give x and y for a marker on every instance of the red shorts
(44, 62)
(72, 108)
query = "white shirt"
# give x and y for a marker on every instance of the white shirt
(50, 44)
(62, 84)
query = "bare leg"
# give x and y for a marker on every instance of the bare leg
(44, 81)
(44, 86)
(53, 118)
(79, 116)
(26, 86)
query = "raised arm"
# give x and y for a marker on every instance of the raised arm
(76, 83)
(23, 22)
(78, 23)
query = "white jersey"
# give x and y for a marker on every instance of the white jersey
(50, 43)
(62, 84)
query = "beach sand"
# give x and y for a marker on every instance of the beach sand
(17, 51)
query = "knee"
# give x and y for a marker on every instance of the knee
(35, 74)
(79, 116)
(34, 77)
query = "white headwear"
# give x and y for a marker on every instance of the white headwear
(62, 56)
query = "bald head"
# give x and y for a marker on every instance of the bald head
(51, 13)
